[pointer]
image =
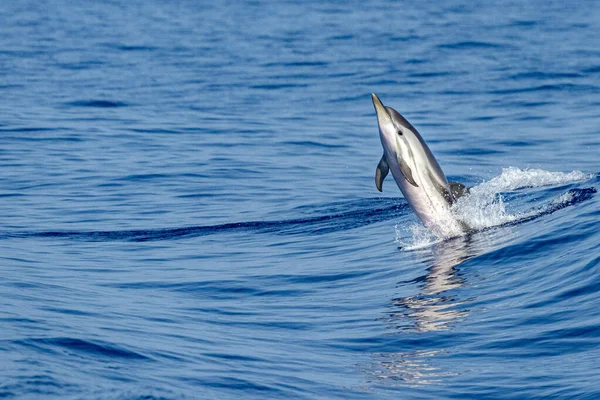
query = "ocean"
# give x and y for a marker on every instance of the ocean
(189, 209)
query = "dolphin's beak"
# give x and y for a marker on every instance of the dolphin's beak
(383, 118)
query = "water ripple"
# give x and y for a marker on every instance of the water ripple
(97, 103)
(81, 346)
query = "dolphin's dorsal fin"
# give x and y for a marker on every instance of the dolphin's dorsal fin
(458, 190)
(381, 172)
(407, 172)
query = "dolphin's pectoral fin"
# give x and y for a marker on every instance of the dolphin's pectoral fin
(458, 190)
(406, 171)
(381, 172)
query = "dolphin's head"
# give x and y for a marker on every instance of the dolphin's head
(392, 127)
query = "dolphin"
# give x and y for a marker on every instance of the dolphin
(417, 173)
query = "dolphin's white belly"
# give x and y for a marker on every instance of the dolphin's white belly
(429, 204)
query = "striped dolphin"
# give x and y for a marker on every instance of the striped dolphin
(417, 173)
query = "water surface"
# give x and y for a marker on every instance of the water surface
(189, 211)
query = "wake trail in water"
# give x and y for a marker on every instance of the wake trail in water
(485, 207)
(363, 212)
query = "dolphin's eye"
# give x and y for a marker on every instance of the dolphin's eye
(399, 132)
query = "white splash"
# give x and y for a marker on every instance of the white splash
(484, 207)
(513, 178)
(415, 236)
(563, 198)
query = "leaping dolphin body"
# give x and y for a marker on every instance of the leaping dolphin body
(417, 173)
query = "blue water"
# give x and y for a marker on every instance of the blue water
(189, 211)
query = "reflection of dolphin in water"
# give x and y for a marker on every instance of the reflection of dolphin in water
(433, 308)
(437, 306)
(430, 309)
(417, 173)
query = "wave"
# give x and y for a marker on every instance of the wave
(97, 103)
(51, 344)
(485, 207)
(356, 214)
